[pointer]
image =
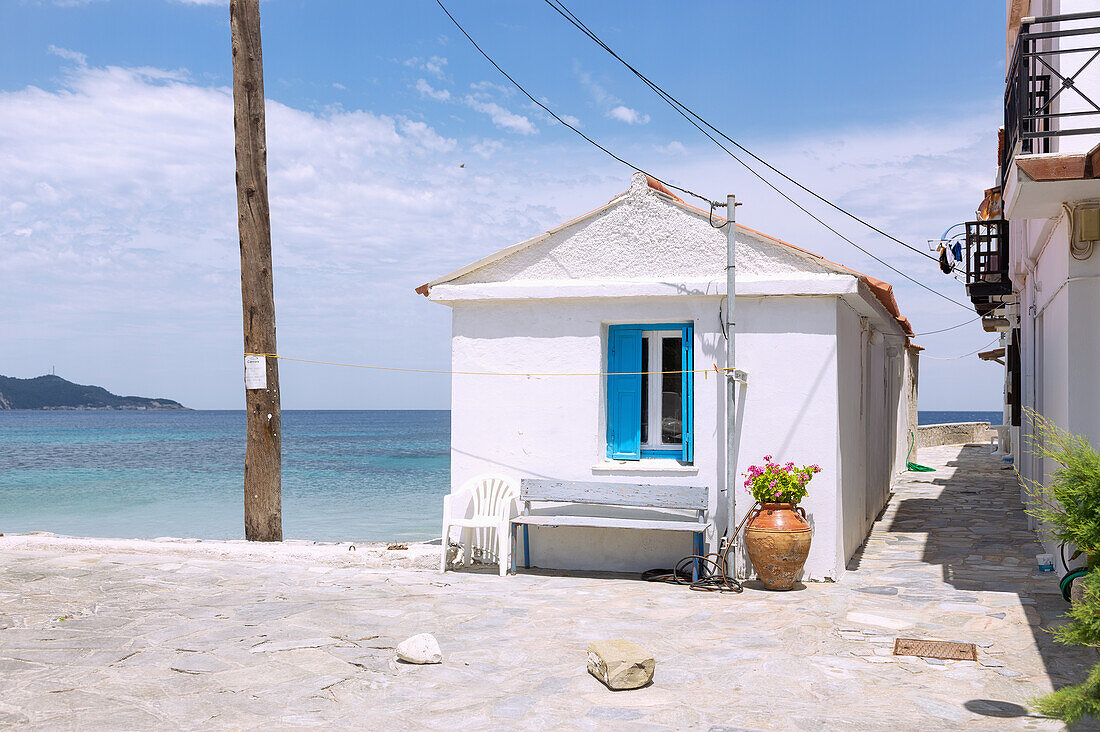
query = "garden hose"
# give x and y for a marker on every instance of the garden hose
(714, 573)
(914, 467)
(1066, 585)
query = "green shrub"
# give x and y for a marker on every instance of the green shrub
(1069, 506)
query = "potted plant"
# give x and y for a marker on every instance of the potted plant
(777, 535)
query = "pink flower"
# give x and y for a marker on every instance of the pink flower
(767, 457)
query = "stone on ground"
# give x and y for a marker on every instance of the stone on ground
(620, 664)
(423, 648)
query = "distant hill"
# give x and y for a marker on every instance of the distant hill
(53, 392)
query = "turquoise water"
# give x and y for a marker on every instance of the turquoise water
(347, 476)
(360, 476)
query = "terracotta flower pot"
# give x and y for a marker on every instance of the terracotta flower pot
(777, 538)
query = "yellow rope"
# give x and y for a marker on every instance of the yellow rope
(714, 368)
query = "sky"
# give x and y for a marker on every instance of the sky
(396, 153)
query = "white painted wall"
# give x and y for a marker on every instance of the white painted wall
(553, 426)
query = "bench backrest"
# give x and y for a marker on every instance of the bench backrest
(615, 494)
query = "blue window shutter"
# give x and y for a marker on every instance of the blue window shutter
(687, 412)
(624, 393)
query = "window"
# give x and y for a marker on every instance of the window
(649, 391)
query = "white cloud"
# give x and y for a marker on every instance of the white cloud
(501, 117)
(596, 90)
(121, 262)
(69, 55)
(675, 147)
(486, 89)
(628, 115)
(487, 148)
(120, 248)
(612, 105)
(427, 90)
(433, 65)
(338, 85)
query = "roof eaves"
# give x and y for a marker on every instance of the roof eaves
(425, 289)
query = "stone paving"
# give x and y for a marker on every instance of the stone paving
(168, 640)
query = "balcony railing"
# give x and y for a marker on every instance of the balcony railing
(1043, 95)
(987, 255)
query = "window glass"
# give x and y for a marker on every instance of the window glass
(671, 391)
(649, 399)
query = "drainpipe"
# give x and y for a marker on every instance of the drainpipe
(731, 377)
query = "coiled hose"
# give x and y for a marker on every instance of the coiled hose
(714, 575)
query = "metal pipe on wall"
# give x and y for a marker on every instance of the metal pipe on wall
(731, 362)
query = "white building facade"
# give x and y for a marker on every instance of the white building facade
(1037, 281)
(639, 285)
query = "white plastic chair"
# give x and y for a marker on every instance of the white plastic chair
(483, 507)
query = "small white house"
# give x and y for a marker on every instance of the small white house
(639, 285)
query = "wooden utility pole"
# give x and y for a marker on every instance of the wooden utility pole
(263, 517)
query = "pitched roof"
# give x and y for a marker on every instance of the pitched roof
(882, 291)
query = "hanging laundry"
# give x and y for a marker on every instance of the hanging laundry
(945, 266)
(957, 250)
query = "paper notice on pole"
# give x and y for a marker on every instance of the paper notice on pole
(255, 372)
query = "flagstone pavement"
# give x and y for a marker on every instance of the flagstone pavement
(115, 640)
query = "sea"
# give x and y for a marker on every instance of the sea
(347, 475)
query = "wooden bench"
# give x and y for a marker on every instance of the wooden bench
(693, 498)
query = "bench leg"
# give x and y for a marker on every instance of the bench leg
(699, 549)
(512, 557)
(526, 547)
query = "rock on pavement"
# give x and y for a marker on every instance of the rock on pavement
(620, 664)
(421, 648)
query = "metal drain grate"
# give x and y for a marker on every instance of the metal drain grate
(946, 650)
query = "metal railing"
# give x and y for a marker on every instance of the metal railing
(987, 254)
(1042, 75)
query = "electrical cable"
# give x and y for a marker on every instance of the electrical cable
(944, 330)
(559, 6)
(559, 119)
(955, 358)
(678, 188)
(681, 109)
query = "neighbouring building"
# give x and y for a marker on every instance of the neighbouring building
(1031, 269)
(638, 285)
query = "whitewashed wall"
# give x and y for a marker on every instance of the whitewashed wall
(553, 427)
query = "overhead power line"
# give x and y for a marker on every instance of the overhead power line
(953, 327)
(559, 119)
(691, 117)
(956, 358)
(576, 22)
(588, 139)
